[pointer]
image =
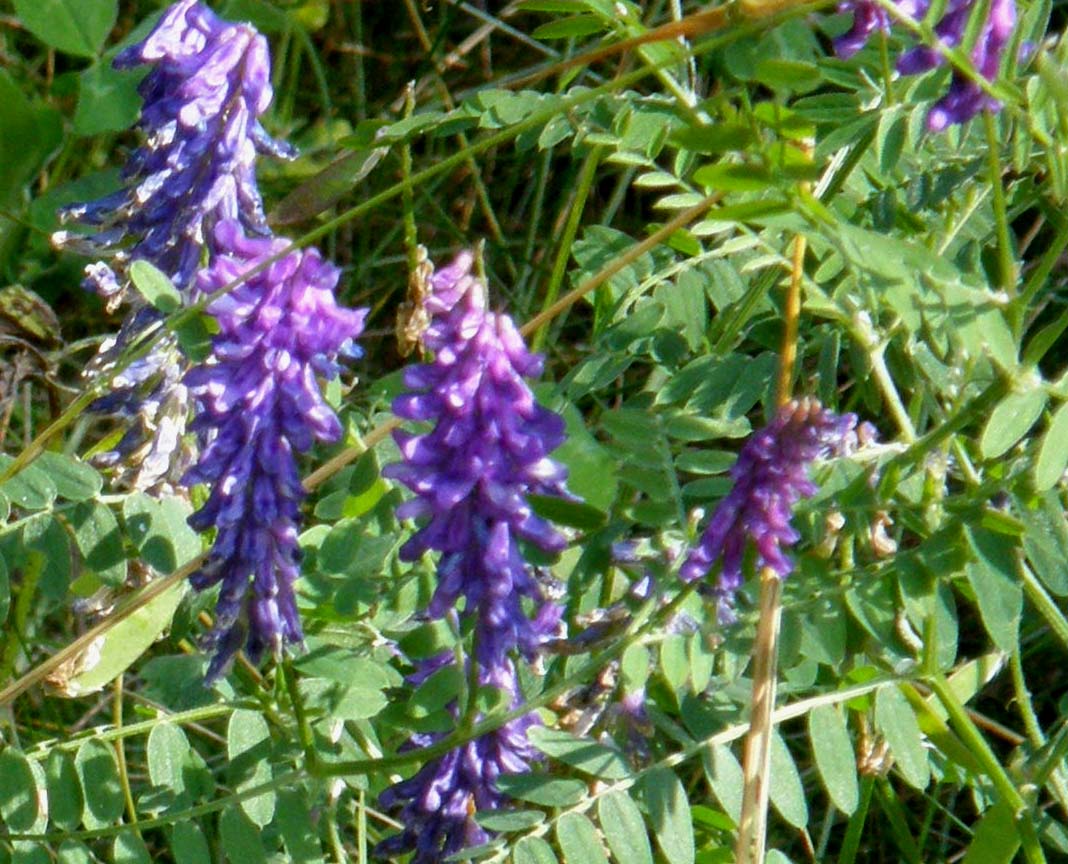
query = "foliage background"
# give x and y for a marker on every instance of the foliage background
(933, 307)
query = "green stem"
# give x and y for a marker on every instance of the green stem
(855, 828)
(120, 756)
(586, 176)
(1006, 261)
(27, 594)
(1036, 279)
(1041, 600)
(304, 730)
(980, 749)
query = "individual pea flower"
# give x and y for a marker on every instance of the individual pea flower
(965, 98)
(472, 472)
(770, 477)
(208, 86)
(438, 803)
(260, 406)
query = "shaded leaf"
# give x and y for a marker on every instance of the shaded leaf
(669, 815)
(896, 721)
(99, 774)
(624, 829)
(578, 840)
(833, 754)
(19, 800)
(76, 27)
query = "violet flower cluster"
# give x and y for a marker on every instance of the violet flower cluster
(965, 97)
(208, 85)
(770, 477)
(260, 404)
(471, 474)
(473, 471)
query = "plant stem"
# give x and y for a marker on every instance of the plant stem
(752, 825)
(575, 208)
(855, 828)
(120, 755)
(1006, 262)
(1041, 600)
(980, 749)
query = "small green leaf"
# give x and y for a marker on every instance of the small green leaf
(509, 820)
(30, 489)
(725, 776)
(73, 479)
(1045, 541)
(160, 531)
(1053, 453)
(167, 750)
(674, 664)
(73, 852)
(569, 28)
(1010, 420)
(99, 773)
(65, 800)
(295, 820)
(586, 755)
(669, 814)
(155, 286)
(578, 840)
(998, 592)
(240, 838)
(732, 177)
(533, 850)
(19, 800)
(785, 789)
(107, 100)
(130, 849)
(574, 514)
(896, 720)
(188, 844)
(833, 753)
(76, 27)
(248, 741)
(96, 532)
(194, 334)
(542, 789)
(30, 315)
(995, 839)
(624, 829)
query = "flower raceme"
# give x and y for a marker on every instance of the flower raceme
(472, 472)
(770, 477)
(208, 86)
(965, 97)
(260, 405)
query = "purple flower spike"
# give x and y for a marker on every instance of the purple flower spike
(261, 404)
(965, 97)
(438, 803)
(472, 472)
(208, 86)
(770, 477)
